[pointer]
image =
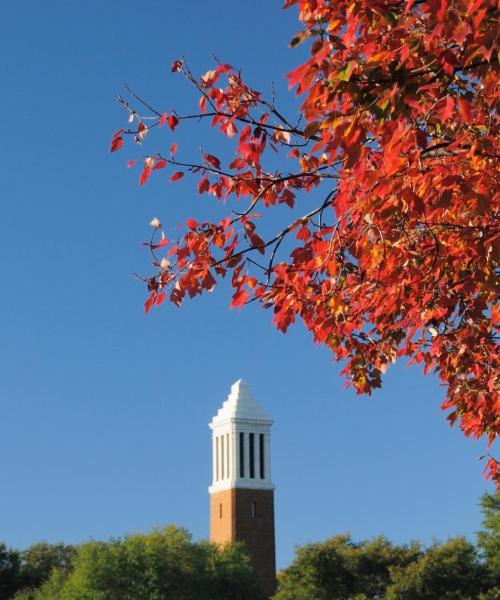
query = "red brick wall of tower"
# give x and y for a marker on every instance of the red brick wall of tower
(246, 515)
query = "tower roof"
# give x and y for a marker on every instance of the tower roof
(240, 406)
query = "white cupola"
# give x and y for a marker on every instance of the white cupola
(241, 441)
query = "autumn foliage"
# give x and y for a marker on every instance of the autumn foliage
(398, 138)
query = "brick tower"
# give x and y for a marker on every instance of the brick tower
(242, 493)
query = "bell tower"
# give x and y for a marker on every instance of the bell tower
(242, 493)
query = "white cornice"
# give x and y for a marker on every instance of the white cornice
(247, 484)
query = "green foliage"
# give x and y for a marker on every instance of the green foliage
(25, 594)
(39, 560)
(450, 571)
(489, 538)
(9, 571)
(161, 565)
(342, 569)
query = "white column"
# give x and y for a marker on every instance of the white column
(217, 458)
(222, 458)
(214, 459)
(267, 456)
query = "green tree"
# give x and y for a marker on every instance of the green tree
(161, 565)
(39, 560)
(9, 571)
(489, 538)
(229, 573)
(50, 589)
(342, 569)
(450, 571)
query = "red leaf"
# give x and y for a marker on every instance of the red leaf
(160, 299)
(161, 244)
(228, 128)
(176, 66)
(160, 165)
(145, 175)
(173, 148)
(118, 133)
(116, 144)
(209, 78)
(303, 233)
(173, 121)
(245, 134)
(258, 242)
(177, 175)
(131, 163)
(192, 224)
(223, 68)
(237, 163)
(176, 296)
(288, 198)
(465, 109)
(213, 160)
(445, 108)
(163, 118)
(150, 301)
(204, 185)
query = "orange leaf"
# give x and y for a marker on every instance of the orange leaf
(298, 77)
(239, 299)
(177, 175)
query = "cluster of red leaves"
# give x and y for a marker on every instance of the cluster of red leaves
(400, 105)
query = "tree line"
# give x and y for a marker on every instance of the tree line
(167, 564)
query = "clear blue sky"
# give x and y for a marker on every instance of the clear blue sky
(103, 411)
